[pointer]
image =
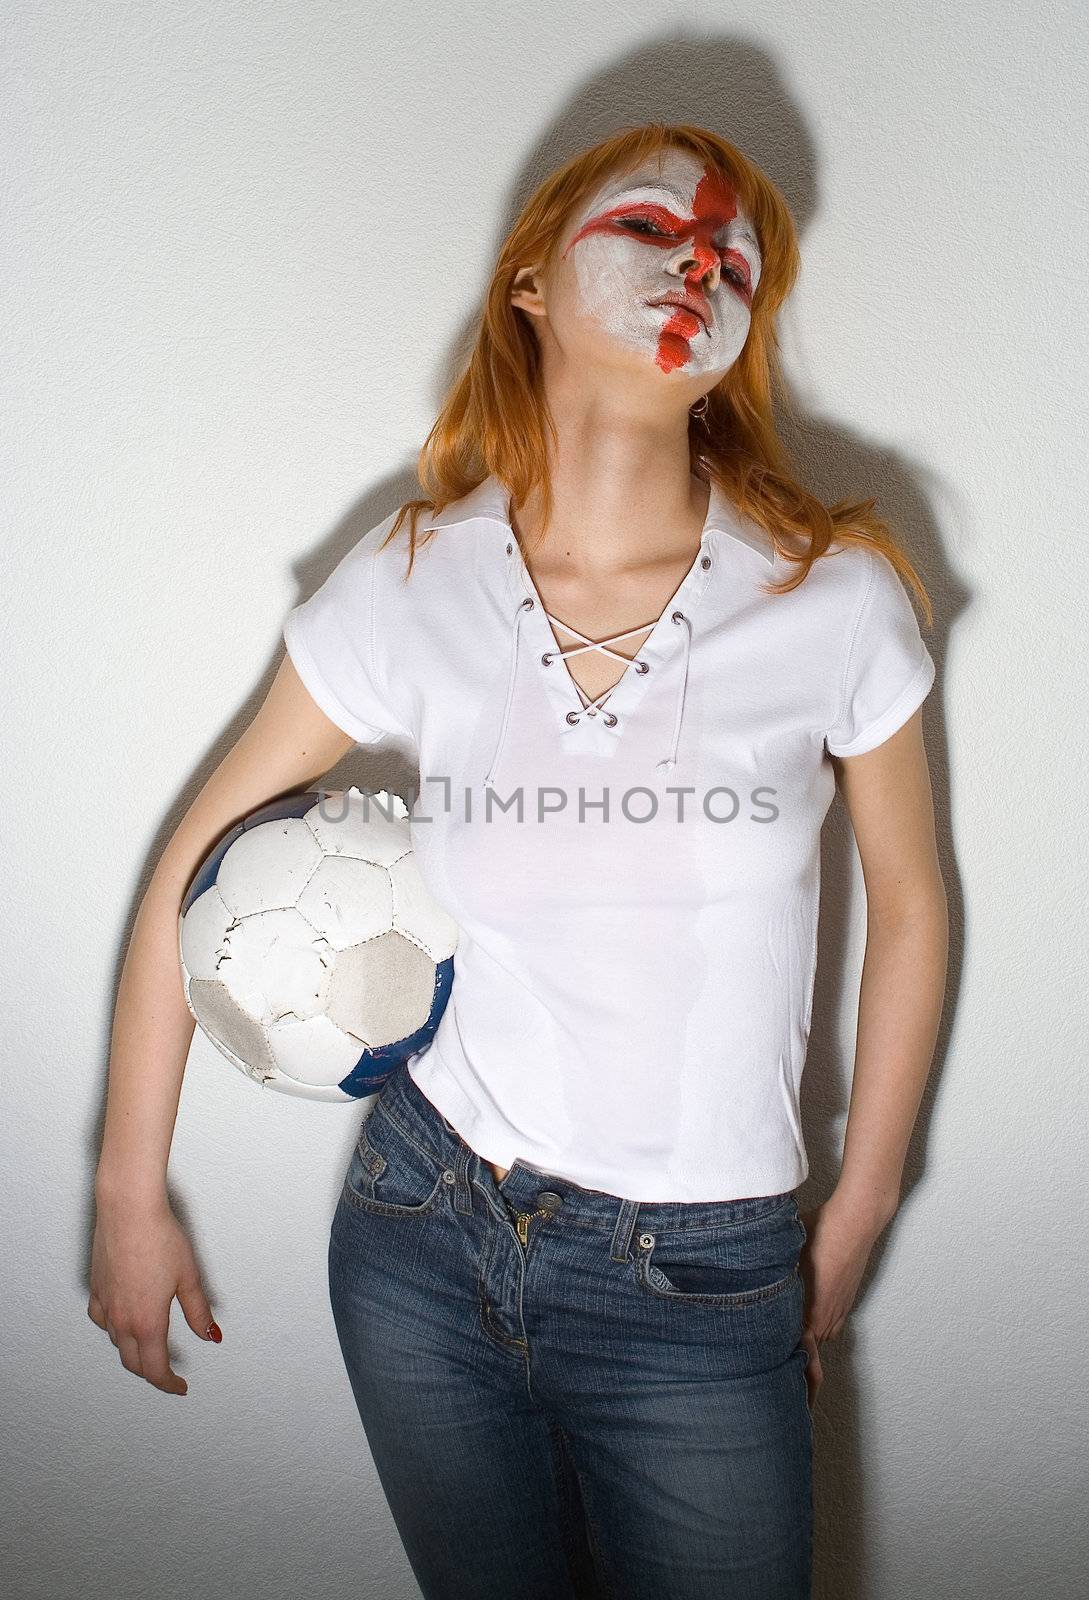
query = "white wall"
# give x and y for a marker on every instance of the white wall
(208, 399)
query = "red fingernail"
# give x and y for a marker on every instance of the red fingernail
(214, 1332)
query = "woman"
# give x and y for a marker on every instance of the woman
(634, 658)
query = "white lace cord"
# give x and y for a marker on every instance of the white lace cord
(593, 706)
(670, 760)
(523, 607)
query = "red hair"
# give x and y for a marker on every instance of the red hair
(494, 418)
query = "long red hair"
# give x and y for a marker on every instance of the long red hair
(494, 419)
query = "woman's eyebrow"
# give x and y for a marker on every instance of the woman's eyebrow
(741, 234)
(633, 189)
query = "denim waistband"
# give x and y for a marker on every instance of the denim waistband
(406, 1105)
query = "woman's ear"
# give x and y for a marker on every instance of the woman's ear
(526, 292)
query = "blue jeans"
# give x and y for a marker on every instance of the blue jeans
(568, 1395)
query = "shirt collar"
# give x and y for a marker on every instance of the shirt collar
(490, 502)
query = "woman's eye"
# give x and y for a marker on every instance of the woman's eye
(734, 272)
(643, 225)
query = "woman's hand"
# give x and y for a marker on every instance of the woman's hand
(839, 1240)
(140, 1259)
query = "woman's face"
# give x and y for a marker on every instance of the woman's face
(658, 266)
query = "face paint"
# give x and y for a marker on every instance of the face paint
(667, 262)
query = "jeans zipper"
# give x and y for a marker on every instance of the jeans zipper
(524, 1218)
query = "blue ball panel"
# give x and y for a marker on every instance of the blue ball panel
(209, 869)
(288, 805)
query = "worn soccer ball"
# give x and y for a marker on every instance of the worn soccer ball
(314, 957)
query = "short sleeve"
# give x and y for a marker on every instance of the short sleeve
(331, 639)
(888, 671)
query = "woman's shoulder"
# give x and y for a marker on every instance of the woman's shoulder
(399, 535)
(837, 576)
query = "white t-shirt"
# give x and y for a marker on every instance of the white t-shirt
(633, 985)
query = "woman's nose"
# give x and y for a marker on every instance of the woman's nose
(703, 265)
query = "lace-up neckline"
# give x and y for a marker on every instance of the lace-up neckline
(624, 695)
(581, 717)
(593, 704)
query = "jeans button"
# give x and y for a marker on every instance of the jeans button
(548, 1200)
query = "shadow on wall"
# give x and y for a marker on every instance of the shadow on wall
(734, 88)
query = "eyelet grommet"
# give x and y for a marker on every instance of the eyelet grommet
(645, 1241)
(642, 666)
(705, 563)
(678, 616)
(610, 720)
(527, 603)
(546, 659)
(510, 549)
(572, 717)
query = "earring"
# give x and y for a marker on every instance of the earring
(699, 409)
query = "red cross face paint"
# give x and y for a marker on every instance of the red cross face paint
(667, 262)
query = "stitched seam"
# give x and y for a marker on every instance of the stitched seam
(345, 717)
(387, 1207)
(890, 714)
(694, 1232)
(594, 1535)
(395, 1122)
(871, 573)
(517, 1347)
(489, 1327)
(745, 1297)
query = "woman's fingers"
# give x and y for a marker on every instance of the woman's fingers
(155, 1365)
(814, 1377)
(146, 1356)
(139, 1264)
(129, 1351)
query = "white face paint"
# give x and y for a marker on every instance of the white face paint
(678, 231)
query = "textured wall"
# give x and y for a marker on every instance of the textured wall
(244, 244)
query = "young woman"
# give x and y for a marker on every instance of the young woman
(579, 1308)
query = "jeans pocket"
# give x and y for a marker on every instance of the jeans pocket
(739, 1264)
(389, 1173)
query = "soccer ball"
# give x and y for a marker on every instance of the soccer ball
(314, 957)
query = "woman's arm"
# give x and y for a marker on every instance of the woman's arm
(141, 1257)
(289, 744)
(888, 796)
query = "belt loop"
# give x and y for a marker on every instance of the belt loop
(625, 1224)
(463, 1190)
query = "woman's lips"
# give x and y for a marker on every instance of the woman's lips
(699, 318)
(690, 320)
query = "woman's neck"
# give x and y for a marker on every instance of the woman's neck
(616, 505)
